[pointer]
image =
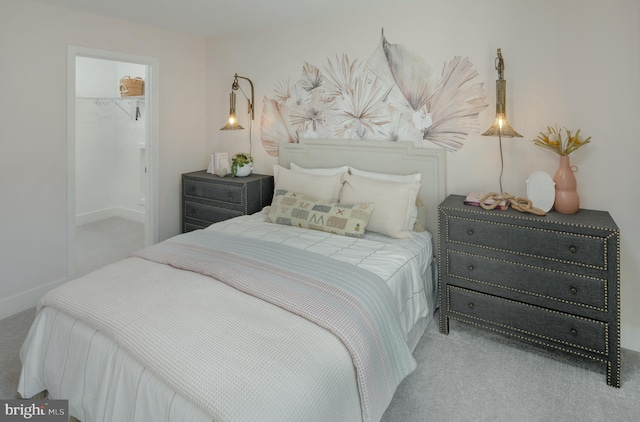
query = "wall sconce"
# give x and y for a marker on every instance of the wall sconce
(232, 121)
(501, 126)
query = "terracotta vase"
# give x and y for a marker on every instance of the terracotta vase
(567, 199)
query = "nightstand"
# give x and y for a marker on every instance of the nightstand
(550, 280)
(208, 198)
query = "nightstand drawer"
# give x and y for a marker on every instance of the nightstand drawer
(218, 192)
(194, 210)
(532, 280)
(571, 248)
(509, 316)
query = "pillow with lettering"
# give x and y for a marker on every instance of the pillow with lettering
(295, 209)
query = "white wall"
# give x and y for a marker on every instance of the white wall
(573, 62)
(109, 142)
(34, 38)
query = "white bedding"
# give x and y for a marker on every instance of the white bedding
(402, 263)
(74, 361)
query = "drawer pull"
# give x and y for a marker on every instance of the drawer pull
(573, 249)
(573, 290)
(193, 188)
(574, 332)
(229, 194)
(471, 305)
(470, 232)
(193, 210)
(470, 268)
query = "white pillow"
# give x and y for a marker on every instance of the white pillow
(394, 203)
(400, 178)
(325, 188)
(320, 171)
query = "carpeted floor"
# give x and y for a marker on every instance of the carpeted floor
(477, 375)
(106, 241)
(13, 331)
(469, 375)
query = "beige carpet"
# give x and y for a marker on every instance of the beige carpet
(106, 241)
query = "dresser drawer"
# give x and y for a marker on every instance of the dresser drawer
(218, 192)
(210, 214)
(554, 285)
(534, 322)
(578, 249)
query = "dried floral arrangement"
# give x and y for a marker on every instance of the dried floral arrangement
(554, 141)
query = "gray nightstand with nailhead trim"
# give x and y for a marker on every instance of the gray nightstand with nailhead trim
(208, 199)
(551, 280)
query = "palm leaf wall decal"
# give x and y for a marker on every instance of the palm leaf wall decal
(341, 75)
(410, 73)
(455, 105)
(311, 77)
(395, 95)
(275, 127)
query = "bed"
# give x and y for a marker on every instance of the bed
(254, 318)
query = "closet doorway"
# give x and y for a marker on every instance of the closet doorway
(111, 165)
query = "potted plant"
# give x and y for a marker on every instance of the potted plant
(241, 164)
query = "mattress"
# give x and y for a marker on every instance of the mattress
(103, 382)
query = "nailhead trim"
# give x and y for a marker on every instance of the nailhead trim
(615, 233)
(502, 286)
(604, 241)
(604, 324)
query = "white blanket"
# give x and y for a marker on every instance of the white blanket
(269, 363)
(242, 323)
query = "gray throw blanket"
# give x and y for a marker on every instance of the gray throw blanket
(353, 304)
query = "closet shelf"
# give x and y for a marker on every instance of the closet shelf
(116, 101)
(119, 99)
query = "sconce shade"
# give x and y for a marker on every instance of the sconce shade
(501, 126)
(232, 121)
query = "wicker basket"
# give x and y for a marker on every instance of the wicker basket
(130, 87)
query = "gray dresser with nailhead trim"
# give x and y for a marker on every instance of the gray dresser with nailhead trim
(551, 280)
(208, 199)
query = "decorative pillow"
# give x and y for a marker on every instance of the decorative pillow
(400, 178)
(394, 202)
(294, 209)
(326, 188)
(320, 171)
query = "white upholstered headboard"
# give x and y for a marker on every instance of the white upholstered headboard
(379, 156)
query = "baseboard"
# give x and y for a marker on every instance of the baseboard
(630, 338)
(92, 217)
(29, 299)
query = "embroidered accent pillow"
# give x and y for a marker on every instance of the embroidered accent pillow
(294, 209)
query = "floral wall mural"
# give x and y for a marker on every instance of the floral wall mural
(393, 96)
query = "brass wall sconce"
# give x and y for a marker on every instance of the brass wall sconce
(501, 126)
(232, 121)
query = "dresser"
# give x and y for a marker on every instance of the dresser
(550, 280)
(208, 198)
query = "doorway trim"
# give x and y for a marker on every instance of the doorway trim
(151, 142)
